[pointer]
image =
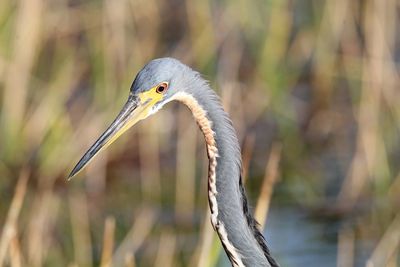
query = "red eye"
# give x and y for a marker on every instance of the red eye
(162, 88)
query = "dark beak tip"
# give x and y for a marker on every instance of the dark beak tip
(80, 165)
(74, 171)
(70, 176)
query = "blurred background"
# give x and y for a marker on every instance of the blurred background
(313, 91)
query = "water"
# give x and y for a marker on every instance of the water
(296, 239)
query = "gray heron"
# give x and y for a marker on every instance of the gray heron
(164, 80)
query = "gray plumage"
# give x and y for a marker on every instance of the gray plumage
(230, 216)
(241, 227)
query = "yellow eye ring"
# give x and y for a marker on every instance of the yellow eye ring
(162, 88)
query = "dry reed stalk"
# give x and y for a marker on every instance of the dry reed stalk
(166, 250)
(394, 189)
(135, 237)
(393, 261)
(15, 252)
(201, 33)
(390, 72)
(370, 155)
(202, 256)
(10, 226)
(346, 248)
(25, 46)
(332, 25)
(228, 77)
(149, 149)
(96, 174)
(42, 218)
(228, 70)
(185, 166)
(46, 114)
(80, 229)
(247, 154)
(387, 246)
(114, 43)
(277, 39)
(108, 242)
(270, 178)
(130, 260)
(145, 42)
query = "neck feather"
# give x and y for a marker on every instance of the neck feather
(230, 216)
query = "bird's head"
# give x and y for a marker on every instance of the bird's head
(154, 86)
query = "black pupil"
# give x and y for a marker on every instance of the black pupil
(161, 88)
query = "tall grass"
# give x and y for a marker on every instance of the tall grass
(312, 88)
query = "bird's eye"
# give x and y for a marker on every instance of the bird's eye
(162, 88)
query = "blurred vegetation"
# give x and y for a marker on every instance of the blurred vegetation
(313, 85)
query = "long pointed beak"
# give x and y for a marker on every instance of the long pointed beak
(132, 112)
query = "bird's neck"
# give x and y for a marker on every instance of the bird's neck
(236, 228)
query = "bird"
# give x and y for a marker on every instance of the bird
(167, 79)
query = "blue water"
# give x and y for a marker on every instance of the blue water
(297, 241)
